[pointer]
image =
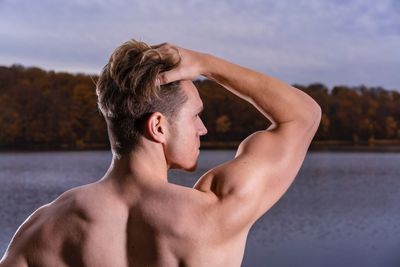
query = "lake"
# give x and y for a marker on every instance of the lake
(342, 210)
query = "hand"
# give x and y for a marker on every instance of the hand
(189, 67)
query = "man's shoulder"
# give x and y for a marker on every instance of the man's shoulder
(89, 202)
(53, 219)
(68, 222)
(68, 213)
(197, 207)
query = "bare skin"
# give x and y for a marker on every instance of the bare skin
(134, 217)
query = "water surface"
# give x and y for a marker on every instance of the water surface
(342, 210)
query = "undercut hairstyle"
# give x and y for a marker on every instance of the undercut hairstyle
(128, 92)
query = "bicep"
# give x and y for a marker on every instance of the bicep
(264, 166)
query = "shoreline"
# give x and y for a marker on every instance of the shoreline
(329, 145)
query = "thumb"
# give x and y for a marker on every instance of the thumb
(168, 77)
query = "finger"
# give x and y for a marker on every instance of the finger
(168, 76)
(158, 46)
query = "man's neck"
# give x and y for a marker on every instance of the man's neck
(138, 169)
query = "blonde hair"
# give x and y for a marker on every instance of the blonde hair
(128, 92)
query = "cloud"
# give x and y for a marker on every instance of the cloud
(335, 42)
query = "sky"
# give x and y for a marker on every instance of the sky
(337, 42)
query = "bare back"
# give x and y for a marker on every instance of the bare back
(92, 226)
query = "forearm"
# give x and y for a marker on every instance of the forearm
(278, 101)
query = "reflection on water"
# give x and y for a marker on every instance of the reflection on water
(342, 209)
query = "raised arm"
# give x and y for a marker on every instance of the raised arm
(267, 161)
(277, 101)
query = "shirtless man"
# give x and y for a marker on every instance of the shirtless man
(133, 216)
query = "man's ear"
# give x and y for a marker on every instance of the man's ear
(156, 127)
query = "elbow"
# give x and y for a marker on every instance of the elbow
(317, 112)
(312, 118)
(316, 118)
(313, 114)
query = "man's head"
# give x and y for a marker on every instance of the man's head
(182, 149)
(131, 100)
(128, 94)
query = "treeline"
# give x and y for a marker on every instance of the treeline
(48, 110)
(40, 109)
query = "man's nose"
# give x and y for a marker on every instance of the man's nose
(203, 130)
